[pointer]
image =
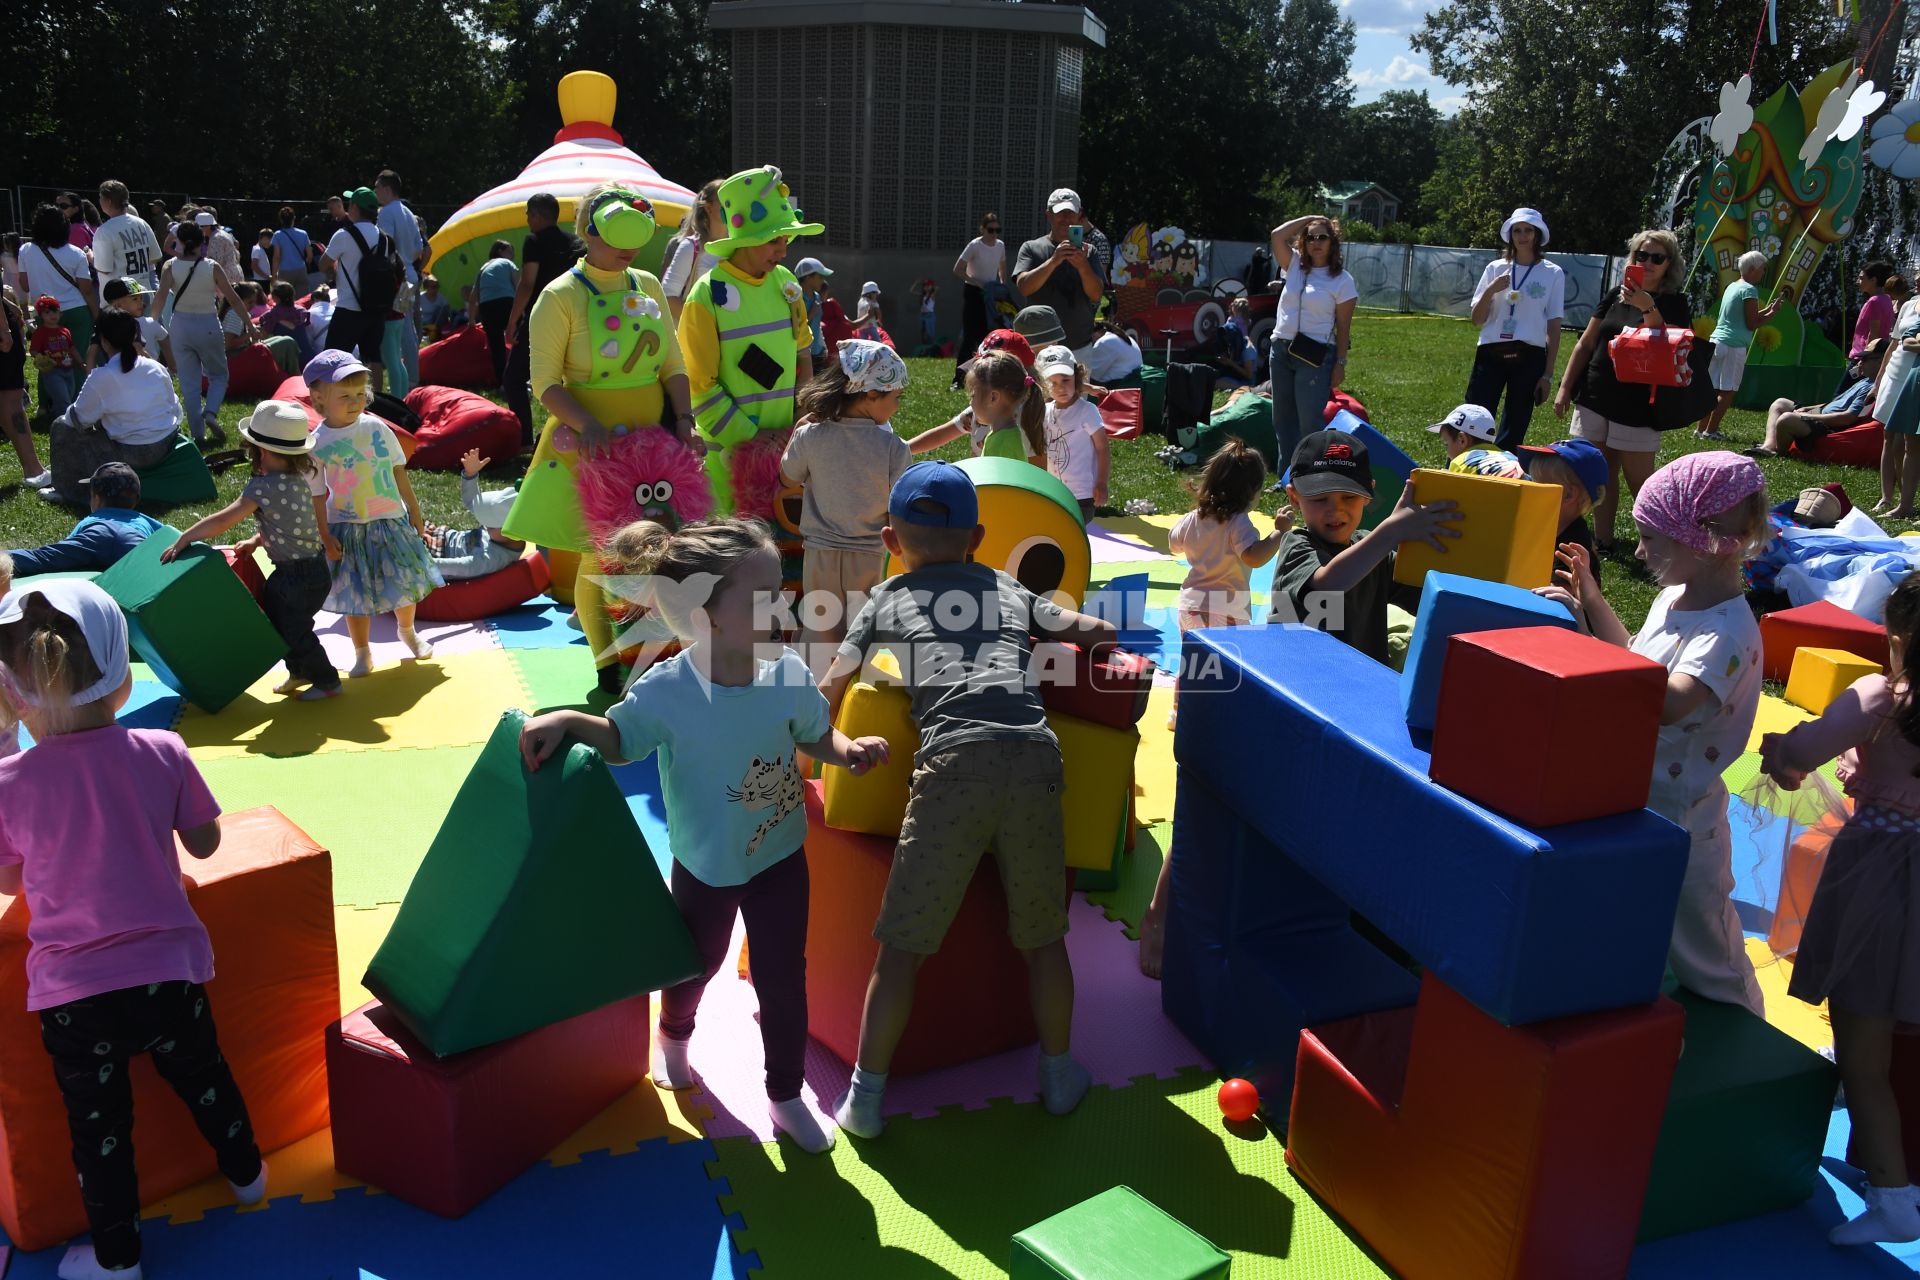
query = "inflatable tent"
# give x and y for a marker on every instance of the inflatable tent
(585, 151)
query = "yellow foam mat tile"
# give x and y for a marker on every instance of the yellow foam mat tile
(1805, 1022)
(304, 1169)
(1776, 715)
(1153, 773)
(357, 935)
(443, 702)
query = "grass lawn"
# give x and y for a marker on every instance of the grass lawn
(1408, 370)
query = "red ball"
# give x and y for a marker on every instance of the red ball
(1239, 1099)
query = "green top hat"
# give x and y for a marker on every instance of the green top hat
(757, 207)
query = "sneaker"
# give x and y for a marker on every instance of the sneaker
(49, 494)
(1890, 1218)
(42, 481)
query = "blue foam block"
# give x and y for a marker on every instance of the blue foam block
(1304, 737)
(1390, 464)
(1452, 605)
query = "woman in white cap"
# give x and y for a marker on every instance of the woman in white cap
(1518, 304)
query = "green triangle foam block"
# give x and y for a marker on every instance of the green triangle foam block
(537, 901)
(1117, 1235)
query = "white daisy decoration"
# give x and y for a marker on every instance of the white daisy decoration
(1833, 111)
(1861, 103)
(1896, 139)
(1736, 115)
(791, 291)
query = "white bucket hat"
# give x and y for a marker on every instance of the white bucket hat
(1532, 217)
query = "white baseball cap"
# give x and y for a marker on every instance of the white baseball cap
(204, 219)
(810, 266)
(1470, 420)
(1052, 360)
(1064, 198)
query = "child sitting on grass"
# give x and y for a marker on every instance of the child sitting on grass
(286, 319)
(988, 773)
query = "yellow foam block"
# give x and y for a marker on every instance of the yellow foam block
(1774, 715)
(1506, 530)
(1155, 778)
(447, 701)
(1821, 675)
(1807, 1023)
(1098, 762)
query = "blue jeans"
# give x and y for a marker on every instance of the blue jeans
(393, 356)
(56, 392)
(1299, 398)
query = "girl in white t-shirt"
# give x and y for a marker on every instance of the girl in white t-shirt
(1317, 298)
(1700, 516)
(1076, 434)
(1518, 304)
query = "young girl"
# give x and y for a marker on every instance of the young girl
(1009, 414)
(847, 458)
(13, 395)
(1699, 517)
(117, 958)
(1009, 343)
(1859, 947)
(280, 498)
(1076, 434)
(726, 717)
(1896, 402)
(364, 502)
(1221, 548)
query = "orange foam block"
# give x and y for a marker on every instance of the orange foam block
(266, 898)
(1506, 530)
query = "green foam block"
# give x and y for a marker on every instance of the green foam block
(1117, 1235)
(181, 476)
(1746, 1120)
(192, 621)
(537, 901)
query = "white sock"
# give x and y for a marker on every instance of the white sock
(1063, 1082)
(254, 1192)
(670, 1068)
(858, 1109)
(362, 664)
(80, 1264)
(421, 648)
(797, 1120)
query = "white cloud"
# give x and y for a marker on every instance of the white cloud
(1450, 106)
(1401, 73)
(1386, 15)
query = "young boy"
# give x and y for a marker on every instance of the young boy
(1467, 434)
(812, 275)
(475, 553)
(1580, 469)
(53, 355)
(130, 295)
(988, 773)
(1327, 578)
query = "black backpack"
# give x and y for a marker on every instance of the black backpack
(380, 273)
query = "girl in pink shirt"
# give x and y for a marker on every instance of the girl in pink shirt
(1860, 947)
(1876, 312)
(117, 957)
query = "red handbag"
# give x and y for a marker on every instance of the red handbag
(1653, 357)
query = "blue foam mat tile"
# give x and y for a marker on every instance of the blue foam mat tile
(639, 782)
(151, 705)
(1759, 844)
(539, 624)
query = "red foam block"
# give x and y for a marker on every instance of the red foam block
(1820, 625)
(1575, 734)
(443, 1134)
(247, 569)
(1111, 690)
(1461, 1149)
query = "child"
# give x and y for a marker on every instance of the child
(987, 773)
(726, 720)
(1699, 517)
(9, 697)
(234, 321)
(866, 315)
(117, 958)
(1009, 413)
(284, 319)
(1004, 341)
(847, 458)
(319, 316)
(1857, 946)
(1465, 434)
(280, 498)
(130, 295)
(1076, 434)
(53, 355)
(1740, 314)
(475, 553)
(928, 291)
(13, 394)
(431, 310)
(364, 502)
(1329, 577)
(1580, 469)
(811, 273)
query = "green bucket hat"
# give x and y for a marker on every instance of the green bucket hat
(757, 207)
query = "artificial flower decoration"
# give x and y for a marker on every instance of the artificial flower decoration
(1861, 103)
(1896, 140)
(1833, 113)
(1736, 115)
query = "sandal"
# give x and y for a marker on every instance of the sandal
(1759, 451)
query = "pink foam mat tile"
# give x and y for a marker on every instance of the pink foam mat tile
(446, 638)
(1111, 548)
(1119, 1033)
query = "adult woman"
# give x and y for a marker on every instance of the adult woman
(493, 289)
(1620, 417)
(195, 287)
(982, 265)
(49, 264)
(125, 412)
(1896, 402)
(1115, 357)
(81, 218)
(289, 252)
(1317, 298)
(13, 393)
(1518, 305)
(687, 258)
(596, 381)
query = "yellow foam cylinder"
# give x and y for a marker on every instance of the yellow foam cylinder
(1821, 675)
(587, 97)
(1506, 529)
(1099, 773)
(876, 801)
(563, 565)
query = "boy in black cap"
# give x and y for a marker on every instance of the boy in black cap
(1326, 577)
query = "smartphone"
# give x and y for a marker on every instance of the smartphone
(1077, 234)
(1635, 277)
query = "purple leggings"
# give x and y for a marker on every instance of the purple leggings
(775, 906)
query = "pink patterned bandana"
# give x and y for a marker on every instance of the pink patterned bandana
(1679, 498)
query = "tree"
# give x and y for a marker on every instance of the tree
(1311, 60)
(1394, 141)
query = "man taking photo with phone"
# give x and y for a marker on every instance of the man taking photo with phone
(1058, 271)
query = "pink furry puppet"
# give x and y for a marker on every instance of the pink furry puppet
(754, 466)
(644, 475)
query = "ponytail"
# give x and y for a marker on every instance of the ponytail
(828, 394)
(1002, 371)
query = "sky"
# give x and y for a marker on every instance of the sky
(1382, 58)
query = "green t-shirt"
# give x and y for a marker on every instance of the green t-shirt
(1732, 330)
(1004, 442)
(1358, 615)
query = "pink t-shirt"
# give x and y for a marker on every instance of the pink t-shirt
(90, 817)
(1877, 762)
(1876, 321)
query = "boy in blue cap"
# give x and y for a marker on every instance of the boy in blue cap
(1580, 469)
(987, 773)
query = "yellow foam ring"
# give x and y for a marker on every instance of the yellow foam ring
(587, 97)
(1153, 771)
(304, 1169)
(1805, 1022)
(449, 701)
(1776, 715)
(1506, 530)
(357, 934)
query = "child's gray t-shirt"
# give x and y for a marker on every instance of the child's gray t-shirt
(288, 529)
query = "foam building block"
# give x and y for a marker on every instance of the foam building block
(1111, 690)
(1745, 1123)
(1905, 1075)
(1799, 876)
(1270, 863)
(266, 898)
(192, 621)
(970, 1000)
(1390, 463)
(1506, 530)
(443, 1134)
(1820, 625)
(1116, 1235)
(875, 802)
(1449, 606)
(1098, 771)
(247, 569)
(1818, 676)
(1575, 735)
(538, 900)
(1465, 1150)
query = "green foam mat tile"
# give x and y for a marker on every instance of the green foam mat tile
(1160, 573)
(944, 1196)
(375, 811)
(1803, 806)
(1127, 902)
(558, 678)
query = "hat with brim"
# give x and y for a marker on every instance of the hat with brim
(362, 196)
(1040, 326)
(278, 426)
(1532, 217)
(1052, 360)
(756, 207)
(1006, 340)
(810, 267)
(1331, 462)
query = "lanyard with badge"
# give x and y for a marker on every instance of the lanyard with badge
(1513, 301)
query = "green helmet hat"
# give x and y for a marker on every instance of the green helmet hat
(622, 218)
(757, 207)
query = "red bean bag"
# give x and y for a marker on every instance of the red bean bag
(453, 421)
(1120, 411)
(1854, 447)
(252, 373)
(471, 599)
(294, 391)
(1341, 400)
(460, 359)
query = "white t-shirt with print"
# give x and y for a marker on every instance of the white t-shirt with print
(1720, 647)
(1542, 287)
(1070, 456)
(124, 246)
(1308, 302)
(354, 471)
(984, 260)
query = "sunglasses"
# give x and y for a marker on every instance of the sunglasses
(993, 226)
(1319, 235)
(1647, 255)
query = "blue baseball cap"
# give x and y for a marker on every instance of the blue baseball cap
(943, 486)
(331, 366)
(1587, 462)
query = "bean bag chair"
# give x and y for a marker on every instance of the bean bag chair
(1120, 411)
(1251, 419)
(1854, 447)
(471, 599)
(181, 476)
(453, 421)
(294, 391)
(253, 373)
(460, 359)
